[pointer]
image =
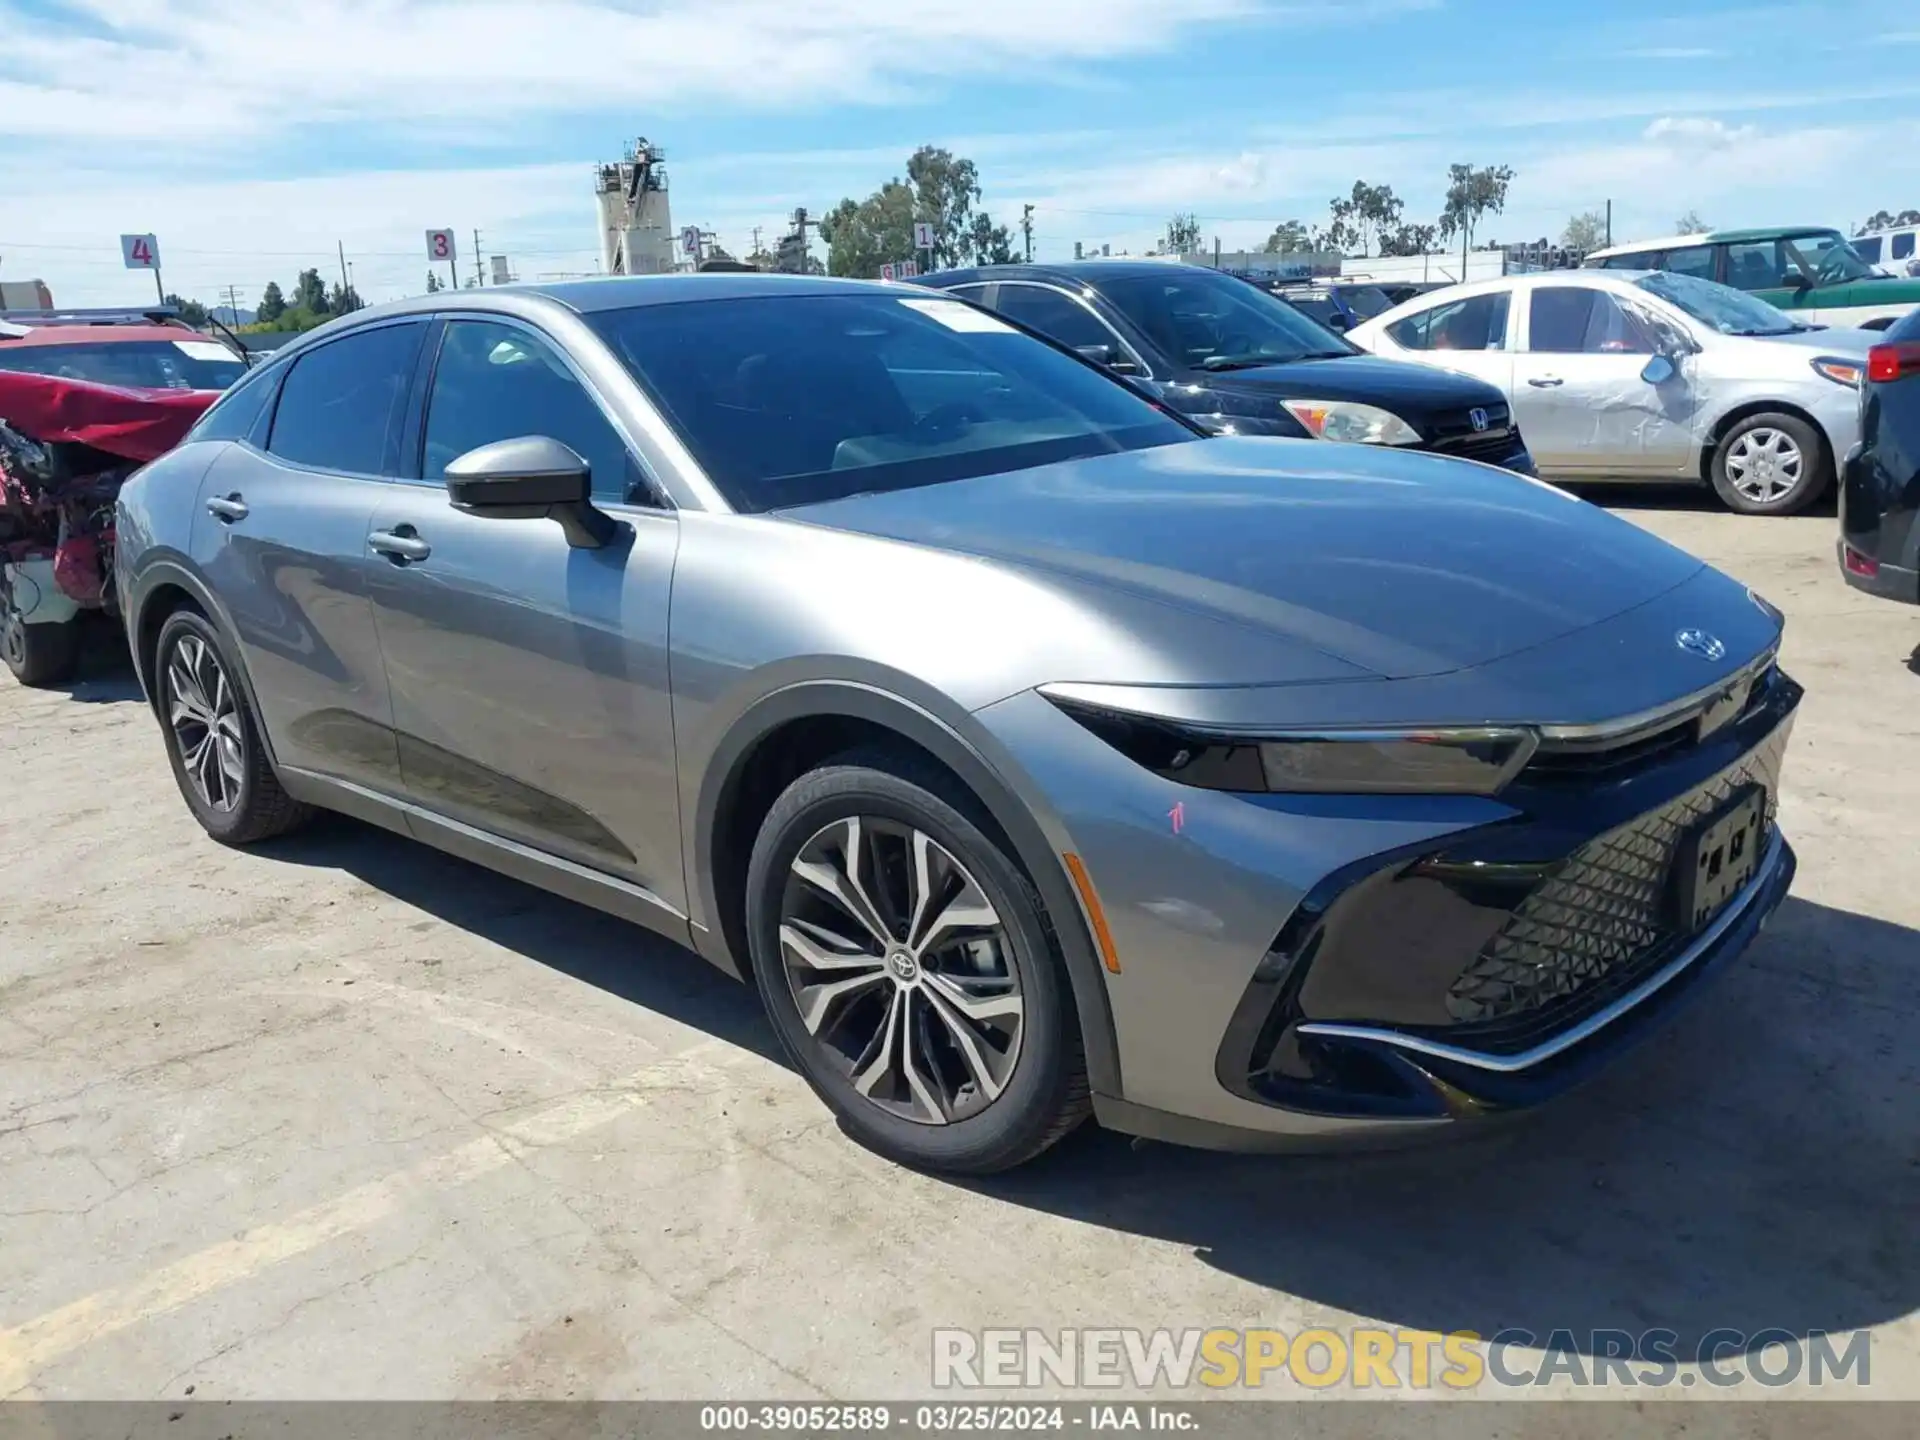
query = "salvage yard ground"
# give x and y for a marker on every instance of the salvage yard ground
(345, 1118)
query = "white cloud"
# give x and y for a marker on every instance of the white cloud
(1694, 132)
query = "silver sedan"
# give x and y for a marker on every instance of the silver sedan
(1644, 375)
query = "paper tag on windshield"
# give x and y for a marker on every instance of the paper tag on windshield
(964, 318)
(204, 350)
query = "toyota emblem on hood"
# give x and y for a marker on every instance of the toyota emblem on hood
(1701, 643)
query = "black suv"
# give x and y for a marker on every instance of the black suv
(1239, 361)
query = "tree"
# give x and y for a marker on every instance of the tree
(433, 283)
(310, 293)
(863, 235)
(1366, 215)
(1288, 237)
(941, 190)
(988, 243)
(1183, 234)
(344, 301)
(1585, 231)
(1887, 220)
(1690, 224)
(191, 311)
(272, 304)
(1409, 239)
(1471, 195)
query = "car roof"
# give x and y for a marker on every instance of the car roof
(621, 292)
(1465, 290)
(1714, 237)
(1083, 271)
(1666, 242)
(97, 334)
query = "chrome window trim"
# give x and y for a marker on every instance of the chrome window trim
(1510, 1064)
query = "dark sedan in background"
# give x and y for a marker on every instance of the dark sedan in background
(1241, 361)
(1880, 484)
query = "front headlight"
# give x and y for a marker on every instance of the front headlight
(1350, 421)
(1449, 761)
(1840, 371)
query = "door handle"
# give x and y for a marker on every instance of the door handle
(227, 508)
(1546, 382)
(400, 546)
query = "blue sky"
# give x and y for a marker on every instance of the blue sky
(254, 139)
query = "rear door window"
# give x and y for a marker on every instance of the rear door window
(1867, 247)
(1695, 260)
(1478, 322)
(1057, 316)
(339, 404)
(1902, 246)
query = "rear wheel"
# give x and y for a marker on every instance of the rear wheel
(909, 968)
(1771, 464)
(213, 739)
(38, 655)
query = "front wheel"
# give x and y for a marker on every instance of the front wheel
(1771, 464)
(909, 968)
(39, 655)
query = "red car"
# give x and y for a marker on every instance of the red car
(81, 406)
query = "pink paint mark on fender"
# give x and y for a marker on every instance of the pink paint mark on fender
(1178, 815)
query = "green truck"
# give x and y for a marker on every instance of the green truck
(1808, 271)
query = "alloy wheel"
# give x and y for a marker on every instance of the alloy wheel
(901, 969)
(205, 717)
(1764, 464)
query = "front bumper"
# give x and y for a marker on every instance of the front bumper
(1464, 958)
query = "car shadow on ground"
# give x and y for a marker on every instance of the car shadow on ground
(1755, 1166)
(1627, 495)
(104, 673)
(613, 955)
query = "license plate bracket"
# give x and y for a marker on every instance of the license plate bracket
(1718, 856)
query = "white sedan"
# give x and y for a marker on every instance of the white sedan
(1647, 375)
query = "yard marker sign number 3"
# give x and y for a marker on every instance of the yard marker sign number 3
(140, 252)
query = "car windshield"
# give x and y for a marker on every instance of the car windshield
(1730, 311)
(1828, 259)
(187, 364)
(1209, 321)
(794, 399)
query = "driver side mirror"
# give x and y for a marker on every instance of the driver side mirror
(1659, 370)
(532, 477)
(1338, 323)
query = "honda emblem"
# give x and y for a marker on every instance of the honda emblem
(1477, 418)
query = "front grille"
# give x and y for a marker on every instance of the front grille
(1603, 918)
(1454, 435)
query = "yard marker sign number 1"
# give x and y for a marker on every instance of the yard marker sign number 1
(440, 247)
(142, 252)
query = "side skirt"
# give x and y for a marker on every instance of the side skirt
(522, 862)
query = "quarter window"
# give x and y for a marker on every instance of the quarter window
(338, 403)
(499, 382)
(1903, 245)
(1478, 322)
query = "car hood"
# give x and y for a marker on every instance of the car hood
(1400, 563)
(1846, 343)
(1412, 391)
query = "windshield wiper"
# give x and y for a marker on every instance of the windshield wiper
(1244, 362)
(1787, 330)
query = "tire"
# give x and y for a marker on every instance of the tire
(951, 1107)
(40, 655)
(213, 738)
(1750, 465)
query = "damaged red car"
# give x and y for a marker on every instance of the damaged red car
(81, 408)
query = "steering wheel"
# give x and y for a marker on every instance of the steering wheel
(950, 416)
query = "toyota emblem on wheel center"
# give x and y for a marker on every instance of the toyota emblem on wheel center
(1699, 642)
(1477, 417)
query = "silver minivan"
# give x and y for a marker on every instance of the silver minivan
(1649, 375)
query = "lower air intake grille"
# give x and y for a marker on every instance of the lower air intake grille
(1604, 914)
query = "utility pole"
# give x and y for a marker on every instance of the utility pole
(233, 306)
(756, 243)
(346, 285)
(1026, 229)
(479, 276)
(1609, 222)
